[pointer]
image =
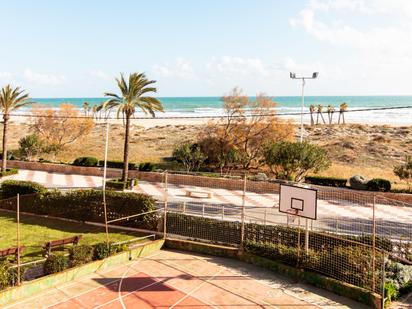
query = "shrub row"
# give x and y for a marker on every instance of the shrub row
(79, 255)
(118, 184)
(118, 164)
(82, 205)
(326, 181)
(229, 232)
(351, 264)
(92, 161)
(11, 188)
(8, 172)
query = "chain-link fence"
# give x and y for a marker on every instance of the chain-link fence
(353, 233)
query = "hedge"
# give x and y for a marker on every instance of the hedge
(228, 232)
(351, 264)
(118, 164)
(147, 167)
(326, 181)
(118, 184)
(8, 172)
(11, 188)
(86, 161)
(86, 205)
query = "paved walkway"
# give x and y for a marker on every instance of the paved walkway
(170, 279)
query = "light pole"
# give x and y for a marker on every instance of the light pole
(303, 78)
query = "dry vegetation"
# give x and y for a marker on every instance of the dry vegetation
(355, 149)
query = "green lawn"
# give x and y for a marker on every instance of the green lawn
(35, 231)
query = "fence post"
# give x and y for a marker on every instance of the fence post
(373, 242)
(203, 210)
(165, 209)
(242, 229)
(383, 279)
(265, 218)
(184, 207)
(223, 212)
(18, 239)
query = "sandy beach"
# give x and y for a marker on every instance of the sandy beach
(369, 150)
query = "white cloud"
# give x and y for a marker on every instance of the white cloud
(42, 78)
(181, 68)
(100, 74)
(237, 66)
(383, 49)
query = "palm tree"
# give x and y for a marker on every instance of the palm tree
(312, 110)
(132, 97)
(86, 108)
(331, 110)
(10, 100)
(342, 109)
(319, 110)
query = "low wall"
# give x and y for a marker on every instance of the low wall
(30, 288)
(340, 288)
(63, 168)
(210, 182)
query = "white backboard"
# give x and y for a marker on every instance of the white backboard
(298, 201)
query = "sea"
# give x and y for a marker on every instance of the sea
(287, 106)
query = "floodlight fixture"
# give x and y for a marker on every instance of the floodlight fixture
(293, 76)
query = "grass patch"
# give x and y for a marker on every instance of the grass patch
(35, 231)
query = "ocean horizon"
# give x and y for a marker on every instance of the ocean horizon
(212, 106)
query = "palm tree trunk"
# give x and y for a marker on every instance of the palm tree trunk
(126, 149)
(5, 129)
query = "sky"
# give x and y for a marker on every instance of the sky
(205, 48)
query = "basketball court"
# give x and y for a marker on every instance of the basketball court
(171, 279)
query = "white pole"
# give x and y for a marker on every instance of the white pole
(301, 110)
(18, 239)
(104, 181)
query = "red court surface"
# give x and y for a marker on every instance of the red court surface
(169, 279)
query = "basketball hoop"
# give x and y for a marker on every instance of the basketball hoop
(291, 211)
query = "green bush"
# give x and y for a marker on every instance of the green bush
(379, 184)
(81, 254)
(8, 172)
(86, 161)
(55, 263)
(391, 292)
(5, 277)
(117, 184)
(326, 181)
(293, 160)
(118, 164)
(147, 167)
(86, 205)
(11, 188)
(103, 250)
(30, 146)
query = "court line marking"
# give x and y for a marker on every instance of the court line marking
(223, 286)
(136, 290)
(74, 283)
(174, 287)
(196, 289)
(281, 287)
